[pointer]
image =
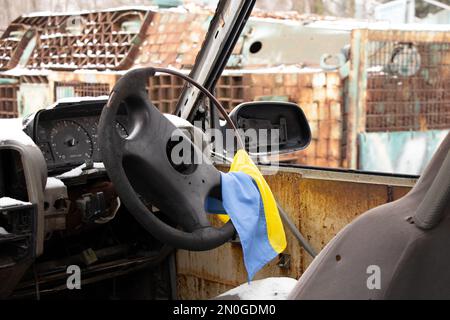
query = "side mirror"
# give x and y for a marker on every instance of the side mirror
(285, 119)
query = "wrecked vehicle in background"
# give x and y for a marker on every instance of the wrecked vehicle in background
(361, 115)
(118, 221)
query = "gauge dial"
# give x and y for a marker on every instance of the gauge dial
(70, 142)
(46, 151)
(94, 134)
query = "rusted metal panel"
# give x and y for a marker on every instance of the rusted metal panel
(12, 45)
(85, 40)
(319, 209)
(408, 85)
(8, 100)
(398, 192)
(173, 38)
(324, 212)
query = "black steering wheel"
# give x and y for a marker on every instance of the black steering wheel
(142, 171)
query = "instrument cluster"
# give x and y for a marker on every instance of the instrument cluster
(67, 134)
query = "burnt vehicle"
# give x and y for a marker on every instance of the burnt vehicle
(89, 183)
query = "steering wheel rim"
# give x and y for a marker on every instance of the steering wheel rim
(179, 194)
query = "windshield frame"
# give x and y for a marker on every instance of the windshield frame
(223, 33)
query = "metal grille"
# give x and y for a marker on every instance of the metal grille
(408, 86)
(95, 40)
(231, 90)
(165, 91)
(80, 89)
(7, 49)
(8, 101)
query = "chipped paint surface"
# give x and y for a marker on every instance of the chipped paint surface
(320, 208)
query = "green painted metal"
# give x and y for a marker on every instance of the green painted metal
(274, 98)
(168, 3)
(399, 152)
(8, 81)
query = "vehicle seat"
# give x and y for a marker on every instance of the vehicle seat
(407, 241)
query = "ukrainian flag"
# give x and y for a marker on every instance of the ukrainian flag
(249, 203)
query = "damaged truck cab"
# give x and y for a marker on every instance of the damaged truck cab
(89, 185)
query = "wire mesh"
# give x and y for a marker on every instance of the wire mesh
(408, 86)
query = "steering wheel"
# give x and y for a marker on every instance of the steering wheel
(142, 171)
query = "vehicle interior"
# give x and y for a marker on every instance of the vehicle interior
(89, 182)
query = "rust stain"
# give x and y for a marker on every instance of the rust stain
(399, 192)
(319, 208)
(328, 206)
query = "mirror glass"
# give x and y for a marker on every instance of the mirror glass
(269, 127)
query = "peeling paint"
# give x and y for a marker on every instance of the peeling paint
(318, 208)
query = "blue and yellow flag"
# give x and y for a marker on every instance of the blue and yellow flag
(249, 203)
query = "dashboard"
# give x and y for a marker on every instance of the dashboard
(67, 133)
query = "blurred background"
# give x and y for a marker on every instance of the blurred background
(373, 77)
(432, 10)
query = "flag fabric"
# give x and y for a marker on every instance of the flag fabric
(248, 201)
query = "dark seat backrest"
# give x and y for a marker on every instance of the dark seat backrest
(396, 251)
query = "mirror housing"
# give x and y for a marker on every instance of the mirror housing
(288, 118)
